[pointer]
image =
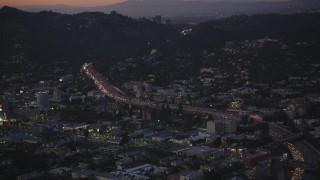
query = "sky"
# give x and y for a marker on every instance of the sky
(86, 3)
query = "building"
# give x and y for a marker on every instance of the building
(78, 173)
(32, 175)
(2, 116)
(205, 152)
(4, 105)
(141, 88)
(209, 70)
(147, 87)
(42, 100)
(94, 94)
(146, 113)
(221, 126)
(157, 19)
(138, 89)
(3, 110)
(168, 21)
(142, 172)
(77, 98)
(251, 159)
(57, 95)
(214, 127)
(191, 175)
(122, 162)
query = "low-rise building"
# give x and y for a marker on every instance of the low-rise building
(205, 152)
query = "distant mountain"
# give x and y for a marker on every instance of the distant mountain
(148, 8)
(7, 9)
(192, 8)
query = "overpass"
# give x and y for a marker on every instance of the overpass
(300, 151)
(290, 137)
(303, 165)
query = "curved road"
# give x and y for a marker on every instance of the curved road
(116, 94)
(299, 149)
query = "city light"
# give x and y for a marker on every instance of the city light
(114, 93)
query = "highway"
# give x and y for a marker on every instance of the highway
(299, 150)
(304, 165)
(116, 94)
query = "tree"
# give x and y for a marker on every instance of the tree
(244, 119)
(217, 142)
(313, 111)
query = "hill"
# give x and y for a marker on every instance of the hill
(295, 28)
(48, 36)
(176, 9)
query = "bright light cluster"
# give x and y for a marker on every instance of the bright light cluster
(113, 92)
(298, 172)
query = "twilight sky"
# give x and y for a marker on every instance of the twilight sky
(84, 2)
(55, 2)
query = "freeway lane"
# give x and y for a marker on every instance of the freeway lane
(299, 150)
(116, 94)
